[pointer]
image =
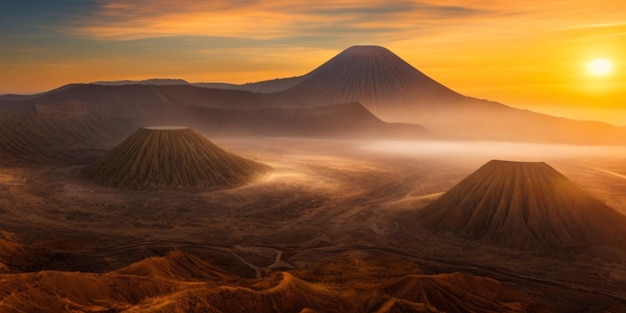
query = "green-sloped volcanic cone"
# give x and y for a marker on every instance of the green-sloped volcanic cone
(171, 158)
(524, 204)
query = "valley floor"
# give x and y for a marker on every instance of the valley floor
(333, 224)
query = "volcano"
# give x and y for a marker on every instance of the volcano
(522, 204)
(387, 86)
(376, 77)
(397, 92)
(171, 158)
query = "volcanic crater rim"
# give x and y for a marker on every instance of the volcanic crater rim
(516, 162)
(166, 127)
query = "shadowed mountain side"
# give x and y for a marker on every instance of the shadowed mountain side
(64, 132)
(225, 112)
(13, 97)
(179, 282)
(17, 257)
(171, 158)
(347, 120)
(527, 205)
(267, 86)
(395, 91)
(152, 81)
(53, 132)
(376, 77)
(147, 104)
(386, 85)
(485, 120)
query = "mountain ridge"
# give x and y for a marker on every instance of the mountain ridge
(382, 82)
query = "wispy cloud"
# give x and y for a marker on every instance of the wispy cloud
(596, 26)
(260, 19)
(601, 30)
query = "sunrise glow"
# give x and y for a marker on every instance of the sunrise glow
(599, 67)
(505, 52)
(312, 156)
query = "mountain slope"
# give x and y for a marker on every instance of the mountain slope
(16, 256)
(527, 205)
(171, 158)
(145, 104)
(266, 86)
(395, 91)
(218, 112)
(382, 81)
(152, 81)
(59, 132)
(344, 120)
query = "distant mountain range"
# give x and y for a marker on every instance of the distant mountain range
(268, 86)
(385, 85)
(152, 81)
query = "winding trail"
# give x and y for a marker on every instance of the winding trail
(257, 271)
(279, 255)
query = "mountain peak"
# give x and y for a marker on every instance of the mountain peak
(367, 49)
(384, 83)
(376, 54)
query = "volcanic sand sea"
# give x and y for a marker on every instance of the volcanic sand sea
(322, 199)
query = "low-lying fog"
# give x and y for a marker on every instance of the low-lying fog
(514, 151)
(425, 168)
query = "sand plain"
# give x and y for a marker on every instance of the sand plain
(323, 199)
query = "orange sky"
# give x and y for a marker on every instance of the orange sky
(527, 54)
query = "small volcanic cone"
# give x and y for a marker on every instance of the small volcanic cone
(171, 158)
(520, 204)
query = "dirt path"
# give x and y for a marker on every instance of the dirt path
(257, 271)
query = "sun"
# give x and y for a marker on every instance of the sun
(599, 67)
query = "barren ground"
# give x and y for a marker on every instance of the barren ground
(322, 198)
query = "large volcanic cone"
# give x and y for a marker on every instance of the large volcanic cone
(522, 204)
(171, 157)
(387, 86)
